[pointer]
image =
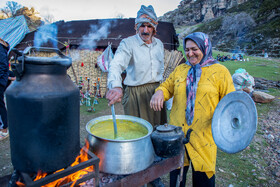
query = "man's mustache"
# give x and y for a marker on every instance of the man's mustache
(145, 34)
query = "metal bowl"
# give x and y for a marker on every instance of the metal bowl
(122, 157)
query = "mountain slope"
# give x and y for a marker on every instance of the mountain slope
(249, 26)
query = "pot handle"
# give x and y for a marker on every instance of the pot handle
(188, 135)
(18, 70)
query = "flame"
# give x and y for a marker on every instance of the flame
(40, 175)
(72, 177)
(19, 184)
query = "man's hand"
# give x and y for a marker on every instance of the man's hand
(157, 100)
(114, 95)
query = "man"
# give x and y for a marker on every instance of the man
(4, 67)
(142, 56)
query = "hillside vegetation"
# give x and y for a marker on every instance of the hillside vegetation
(256, 66)
(252, 27)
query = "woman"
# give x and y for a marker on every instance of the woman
(197, 87)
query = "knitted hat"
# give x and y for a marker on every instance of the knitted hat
(146, 15)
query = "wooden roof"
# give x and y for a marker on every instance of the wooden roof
(73, 33)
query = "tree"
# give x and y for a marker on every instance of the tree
(11, 9)
(120, 16)
(48, 18)
(32, 17)
(14, 9)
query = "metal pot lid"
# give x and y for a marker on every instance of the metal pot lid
(234, 122)
(165, 128)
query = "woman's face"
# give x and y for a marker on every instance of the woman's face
(193, 53)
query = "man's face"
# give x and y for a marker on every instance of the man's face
(146, 31)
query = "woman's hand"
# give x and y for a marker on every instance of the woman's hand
(114, 95)
(157, 100)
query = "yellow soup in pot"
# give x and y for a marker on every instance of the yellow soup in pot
(127, 130)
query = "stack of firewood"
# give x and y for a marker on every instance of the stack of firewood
(171, 60)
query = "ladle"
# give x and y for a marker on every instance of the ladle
(114, 121)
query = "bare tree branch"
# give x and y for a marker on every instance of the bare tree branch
(48, 18)
(11, 9)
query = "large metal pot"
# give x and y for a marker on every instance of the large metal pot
(122, 157)
(44, 110)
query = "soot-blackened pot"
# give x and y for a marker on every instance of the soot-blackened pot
(43, 113)
(167, 140)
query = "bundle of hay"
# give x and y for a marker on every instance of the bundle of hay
(171, 61)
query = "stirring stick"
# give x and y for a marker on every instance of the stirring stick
(114, 121)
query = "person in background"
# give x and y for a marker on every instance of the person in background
(234, 57)
(225, 58)
(142, 56)
(4, 68)
(240, 57)
(218, 57)
(228, 57)
(197, 87)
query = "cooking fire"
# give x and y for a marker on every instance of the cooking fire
(85, 167)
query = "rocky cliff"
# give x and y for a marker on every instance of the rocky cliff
(249, 26)
(191, 12)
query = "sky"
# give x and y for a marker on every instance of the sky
(68, 10)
